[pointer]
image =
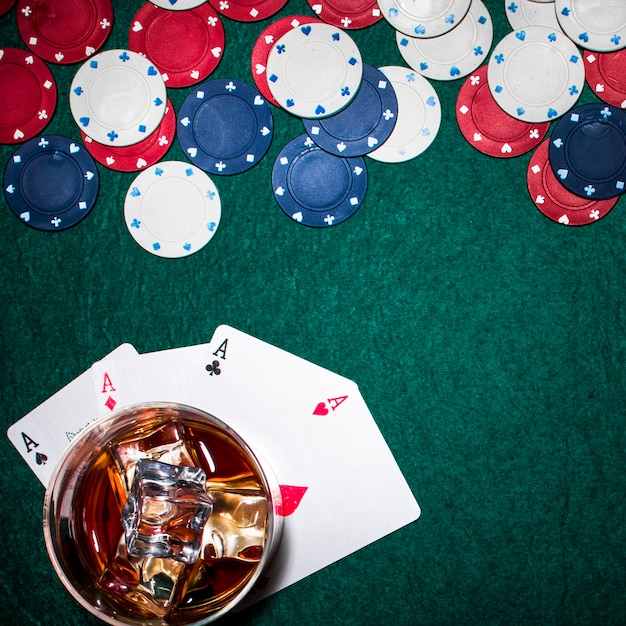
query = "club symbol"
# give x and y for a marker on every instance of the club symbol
(213, 368)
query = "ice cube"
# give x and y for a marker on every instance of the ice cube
(166, 511)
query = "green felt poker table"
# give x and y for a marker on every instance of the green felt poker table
(488, 341)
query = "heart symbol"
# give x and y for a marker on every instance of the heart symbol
(289, 102)
(216, 51)
(317, 8)
(371, 141)
(141, 162)
(134, 192)
(599, 88)
(431, 101)
(564, 220)
(137, 26)
(1, 53)
(258, 101)
(552, 113)
(506, 149)
(562, 173)
(152, 71)
(454, 71)
(521, 35)
(18, 134)
(306, 30)
(194, 74)
(320, 409)
(84, 121)
(584, 37)
(59, 56)
(25, 216)
(192, 152)
(259, 69)
(158, 102)
(623, 105)
(297, 216)
(73, 148)
(358, 170)
(265, 131)
(40, 458)
(478, 137)
(89, 175)
(280, 191)
(319, 110)
(89, 51)
(540, 199)
(187, 247)
(110, 160)
(341, 146)
(291, 496)
(185, 121)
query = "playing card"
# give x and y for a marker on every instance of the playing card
(162, 376)
(314, 429)
(42, 435)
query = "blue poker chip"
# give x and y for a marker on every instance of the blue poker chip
(317, 188)
(588, 151)
(364, 124)
(225, 126)
(51, 182)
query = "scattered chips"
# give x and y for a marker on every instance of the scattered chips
(157, 34)
(588, 151)
(51, 183)
(554, 200)
(29, 95)
(316, 188)
(172, 209)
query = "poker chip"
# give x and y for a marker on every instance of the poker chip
(51, 183)
(5, 5)
(263, 45)
(64, 31)
(424, 18)
(118, 97)
(487, 127)
(29, 95)
(454, 54)
(364, 124)
(316, 188)
(588, 151)
(593, 25)
(178, 5)
(157, 34)
(554, 200)
(225, 126)
(347, 13)
(536, 74)
(140, 155)
(418, 120)
(172, 209)
(248, 10)
(314, 70)
(605, 73)
(523, 13)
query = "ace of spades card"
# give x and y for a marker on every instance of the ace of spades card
(340, 484)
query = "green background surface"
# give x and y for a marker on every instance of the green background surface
(487, 341)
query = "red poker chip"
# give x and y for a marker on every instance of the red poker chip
(185, 46)
(5, 5)
(554, 200)
(487, 127)
(28, 94)
(263, 46)
(140, 155)
(605, 73)
(348, 14)
(247, 10)
(64, 31)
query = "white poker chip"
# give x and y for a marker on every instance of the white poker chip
(172, 209)
(118, 97)
(454, 54)
(314, 70)
(536, 74)
(424, 18)
(419, 116)
(593, 24)
(523, 13)
(178, 5)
